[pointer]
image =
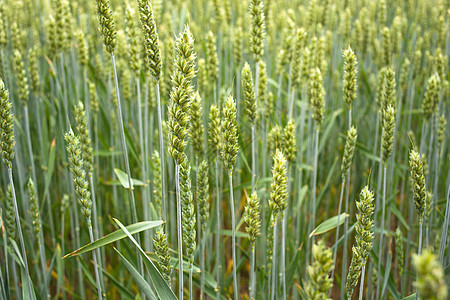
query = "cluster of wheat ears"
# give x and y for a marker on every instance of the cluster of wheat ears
(255, 149)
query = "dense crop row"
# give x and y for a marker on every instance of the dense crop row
(224, 149)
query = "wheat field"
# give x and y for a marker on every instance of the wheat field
(255, 149)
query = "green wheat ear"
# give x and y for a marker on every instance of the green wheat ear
(399, 253)
(180, 96)
(10, 220)
(196, 130)
(214, 131)
(418, 182)
(262, 84)
(431, 96)
(278, 193)
(22, 80)
(162, 251)
(85, 140)
(93, 99)
(364, 236)
(35, 77)
(317, 93)
(388, 98)
(289, 141)
(188, 213)
(430, 281)
(157, 183)
(79, 175)
(202, 193)
(6, 126)
(249, 93)
(133, 40)
(275, 139)
(229, 143)
(349, 150)
(350, 88)
(388, 132)
(297, 61)
(441, 130)
(107, 26)
(319, 281)
(252, 217)
(151, 39)
(212, 60)
(83, 51)
(256, 10)
(34, 211)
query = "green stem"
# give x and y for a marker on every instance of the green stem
(96, 266)
(337, 229)
(161, 151)
(96, 231)
(314, 184)
(251, 287)
(283, 253)
(218, 261)
(179, 231)
(127, 163)
(380, 249)
(444, 236)
(274, 258)
(253, 156)
(19, 228)
(233, 234)
(361, 284)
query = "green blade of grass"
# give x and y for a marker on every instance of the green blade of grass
(329, 224)
(123, 178)
(160, 284)
(143, 285)
(115, 236)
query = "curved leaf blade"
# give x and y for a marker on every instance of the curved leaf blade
(115, 236)
(143, 285)
(329, 224)
(160, 284)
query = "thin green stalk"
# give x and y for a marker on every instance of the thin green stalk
(279, 102)
(218, 261)
(19, 228)
(361, 284)
(291, 104)
(274, 260)
(344, 252)
(233, 234)
(314, 183)
(445, 229)
(96, 231)
(30, 149)
(123, 142)
(96, 269)
(289, 91)
(380, 247)
(283, 252)
(63, 250)
(145, 200)
(254, 128)
(179, 231)
(190, 281)
(161, 151)
(253, 156)
(33, 171)
(419, 250)
(202, 264)
(125, 154)
(337, 229)
(252, 286)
